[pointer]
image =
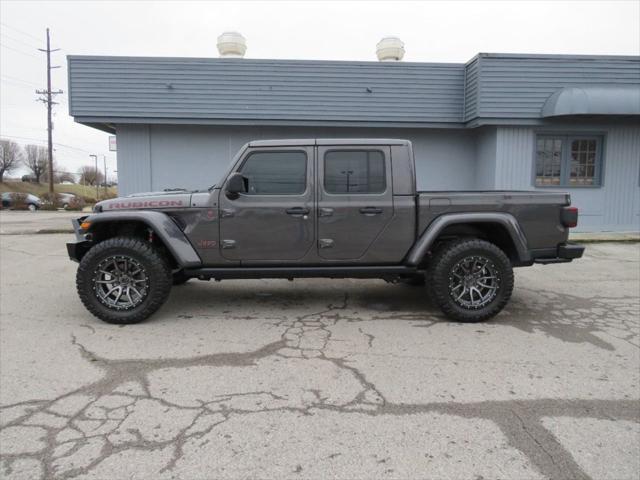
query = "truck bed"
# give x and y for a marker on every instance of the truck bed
(537, 212)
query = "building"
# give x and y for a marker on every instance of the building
(500, 121)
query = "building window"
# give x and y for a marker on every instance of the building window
(276, 173)
(354, 171)
(568, 161)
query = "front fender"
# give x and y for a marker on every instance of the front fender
(426, 240)
(163, 227)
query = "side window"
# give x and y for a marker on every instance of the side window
(276, 173)
(354, 171)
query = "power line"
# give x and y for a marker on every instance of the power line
(64, 145)
(19, 80)
(17, 51)
(13, 39)
(21, 31)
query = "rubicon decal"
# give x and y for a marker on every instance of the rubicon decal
(145, 204)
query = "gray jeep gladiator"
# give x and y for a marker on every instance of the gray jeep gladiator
(335, 208)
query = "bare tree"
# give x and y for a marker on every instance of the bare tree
(10, 156)
(36, 160)
(65, 177)
(89, 175)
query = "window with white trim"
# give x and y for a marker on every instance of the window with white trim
(568, 161)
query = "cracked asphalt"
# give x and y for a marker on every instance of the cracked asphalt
(321, 378)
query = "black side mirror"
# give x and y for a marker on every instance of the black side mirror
(236, 184)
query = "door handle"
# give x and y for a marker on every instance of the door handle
(370, 211)
(297, 211)
(325, 212)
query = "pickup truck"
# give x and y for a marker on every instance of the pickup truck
(333, 208)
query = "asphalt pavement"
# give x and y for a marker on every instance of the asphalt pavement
(320, 378)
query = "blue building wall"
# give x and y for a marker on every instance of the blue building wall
(152, 157)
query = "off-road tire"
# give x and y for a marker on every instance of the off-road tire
(156, 269)
(439, 274)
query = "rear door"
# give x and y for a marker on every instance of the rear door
(275, 219)
(355, 199)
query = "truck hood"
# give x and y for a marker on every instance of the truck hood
(147, 200)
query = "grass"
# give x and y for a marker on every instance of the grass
(85, 191)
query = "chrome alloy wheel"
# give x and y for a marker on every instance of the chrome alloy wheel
(120, 282)
(474, 282)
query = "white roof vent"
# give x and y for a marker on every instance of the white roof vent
(232, 45)
(390, 49)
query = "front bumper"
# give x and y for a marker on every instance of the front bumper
(565, 252)
(77, 249)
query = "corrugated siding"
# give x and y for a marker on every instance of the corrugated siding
(471, 89)
(134, 159)
(518, 86)
(622, 178)
(514, 155)
(244, 89)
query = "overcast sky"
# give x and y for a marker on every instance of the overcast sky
(449, 31)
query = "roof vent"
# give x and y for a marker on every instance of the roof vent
(232, 45)
(390, 49)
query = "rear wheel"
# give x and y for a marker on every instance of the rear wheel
(471, 280)
(123, 280)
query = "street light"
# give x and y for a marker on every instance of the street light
(97, 184)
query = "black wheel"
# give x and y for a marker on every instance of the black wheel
(123, 280)
(179, 278)
(470, 280)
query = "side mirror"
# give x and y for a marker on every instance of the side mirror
(236, 184)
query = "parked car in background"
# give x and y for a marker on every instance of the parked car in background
(17, 200)
(68, 200)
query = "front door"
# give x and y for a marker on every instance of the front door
(275, 219)
(355, 199)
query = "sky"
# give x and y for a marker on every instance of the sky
(433, 31)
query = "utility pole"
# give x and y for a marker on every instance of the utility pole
(95, 157)
(47, 99)
(104, 160)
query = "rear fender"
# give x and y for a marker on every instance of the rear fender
(427, 239)
(163, 227)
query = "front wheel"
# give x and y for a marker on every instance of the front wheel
(32, 207)
(123, 280)
(471, 280)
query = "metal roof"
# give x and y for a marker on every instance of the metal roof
(490, 89)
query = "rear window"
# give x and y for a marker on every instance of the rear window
(354, 171)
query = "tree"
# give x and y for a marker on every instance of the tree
(36, 160)
(89, 175)
(10, 156)
(65, 177)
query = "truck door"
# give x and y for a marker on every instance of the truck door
(275, 219)
(355, 199)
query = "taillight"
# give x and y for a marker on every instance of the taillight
(570, 217)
